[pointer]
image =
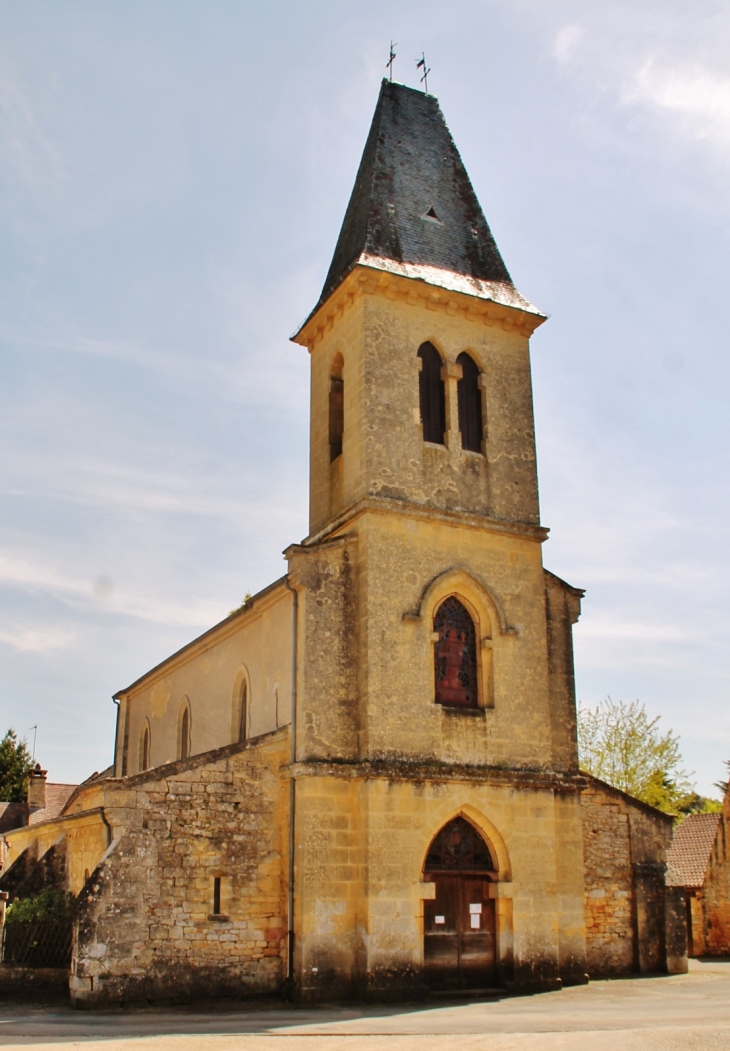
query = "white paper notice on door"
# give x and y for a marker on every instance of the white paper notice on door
(439, 919)
(475, 921)
(475, 908)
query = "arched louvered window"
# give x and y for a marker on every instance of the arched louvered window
(185, 733)
(470, 404)
(243, 724)
(336, 408)
(431, 394)
(455, 655)
(144, 748)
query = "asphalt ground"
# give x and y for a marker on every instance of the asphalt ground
(684, 1012)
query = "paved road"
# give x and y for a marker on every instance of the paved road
(685, 1012)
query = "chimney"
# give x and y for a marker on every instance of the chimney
(37, 788)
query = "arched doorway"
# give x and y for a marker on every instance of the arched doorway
(459, 948)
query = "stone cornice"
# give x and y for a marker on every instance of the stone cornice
(419, 289)
(402, 508)
(409, 769)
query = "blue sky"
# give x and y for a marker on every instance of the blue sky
(172, 180)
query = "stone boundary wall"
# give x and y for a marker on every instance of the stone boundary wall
(608, 885)
(632, 926)
(146, 928)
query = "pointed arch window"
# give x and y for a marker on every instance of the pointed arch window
(144, 748)
(336, 408)
(243, 718)
(184, 749)
(431, 394)
(458, 847)
(470, 404)
(455, 656)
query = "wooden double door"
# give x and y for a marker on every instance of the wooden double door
(459, 934)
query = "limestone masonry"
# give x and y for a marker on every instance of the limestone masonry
(365, 781)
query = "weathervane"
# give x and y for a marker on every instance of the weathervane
(426, 70)
(389, 63)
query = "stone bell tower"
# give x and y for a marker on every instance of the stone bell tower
(435, 681)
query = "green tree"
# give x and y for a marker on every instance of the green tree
(724, 785)
(15, 765)
(620, 744)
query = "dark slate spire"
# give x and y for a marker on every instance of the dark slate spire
(413, 207)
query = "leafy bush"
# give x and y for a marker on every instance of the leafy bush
(51, 905)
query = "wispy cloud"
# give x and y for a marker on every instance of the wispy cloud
(24, 142)
(37, 640)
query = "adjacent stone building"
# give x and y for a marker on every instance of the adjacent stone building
(365, 781)
(698, 863)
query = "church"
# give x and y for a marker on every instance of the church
(365, 781)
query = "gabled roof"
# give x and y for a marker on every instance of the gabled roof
(57, 795)
(691, 848)
(413, 209)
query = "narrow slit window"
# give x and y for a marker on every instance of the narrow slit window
(144, 749)
(185, 734)
(243, 724)
(431, 394)
(471, 424)
(336, 408)
(216, 896)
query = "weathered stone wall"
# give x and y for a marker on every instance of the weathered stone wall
(716, 892)
(608, 885)
(624, 851)
(329, 717)
(562, 607)
(381, 322)
(146, 928)
(362, 838)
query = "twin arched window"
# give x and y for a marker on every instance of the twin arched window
(432, 399)
(431, 394)
(455, 656)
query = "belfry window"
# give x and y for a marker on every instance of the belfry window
(336, 408)
(470, 404)
(431, 394)
(455, 656)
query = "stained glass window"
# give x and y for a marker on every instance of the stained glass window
(458, 847)
(455, 655)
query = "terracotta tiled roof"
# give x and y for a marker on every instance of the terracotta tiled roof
(691, 848)
(56, 798)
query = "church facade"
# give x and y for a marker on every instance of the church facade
(365, 781)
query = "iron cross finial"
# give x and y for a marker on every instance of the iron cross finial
(422, 64)
(389, 63)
